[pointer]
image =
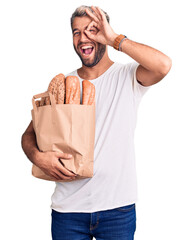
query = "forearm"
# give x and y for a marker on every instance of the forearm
(30, 147)
(153, 64)
(150, 58)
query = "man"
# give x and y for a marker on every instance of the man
(102, 206)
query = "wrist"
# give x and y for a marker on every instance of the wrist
(118, 42)
(37, 158)
(112, 39)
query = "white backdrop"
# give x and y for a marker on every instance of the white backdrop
(36, 44)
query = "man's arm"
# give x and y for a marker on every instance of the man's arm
(29, 145)
(47, 161)
(154, 65)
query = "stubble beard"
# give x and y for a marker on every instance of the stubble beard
(97, 57)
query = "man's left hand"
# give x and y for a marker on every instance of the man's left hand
(99, 29)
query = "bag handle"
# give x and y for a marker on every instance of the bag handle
(44, 94)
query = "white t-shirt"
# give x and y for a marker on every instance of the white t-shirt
(114, 182)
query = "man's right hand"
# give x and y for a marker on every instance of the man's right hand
(49, 162)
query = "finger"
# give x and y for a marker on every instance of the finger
(56, 177)
(91, 15)
(91, 24)
(90, 35)
(63, 176)
(97, 13)
(63, 155)
(65, 171)
(102, 14)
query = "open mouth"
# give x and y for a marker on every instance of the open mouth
(86, 50)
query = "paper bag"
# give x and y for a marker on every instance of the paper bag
(68, 128)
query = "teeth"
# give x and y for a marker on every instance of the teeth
(85, 47)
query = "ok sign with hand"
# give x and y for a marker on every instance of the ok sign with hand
(104, 34)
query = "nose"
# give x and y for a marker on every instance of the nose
(83, 37)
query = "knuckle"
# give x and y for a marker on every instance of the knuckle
(63, 155)
(56, 154)
(65, 177)
(66, 173)
(68, 155)
(53, 163)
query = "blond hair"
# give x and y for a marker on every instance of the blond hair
(80, 12)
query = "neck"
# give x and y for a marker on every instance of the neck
(90, 73)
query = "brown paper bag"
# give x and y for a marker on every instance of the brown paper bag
(68, 128)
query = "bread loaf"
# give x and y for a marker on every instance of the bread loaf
(72, 85)
(88, 93)
(68, 91)
(57, 88)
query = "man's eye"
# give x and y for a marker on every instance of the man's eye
(75, 33)
(93, 31)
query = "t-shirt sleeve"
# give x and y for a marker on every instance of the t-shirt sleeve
(138, 89)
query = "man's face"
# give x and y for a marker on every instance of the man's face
(89, 51)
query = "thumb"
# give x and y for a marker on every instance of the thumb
(63, 155)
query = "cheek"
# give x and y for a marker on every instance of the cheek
(75, 42)
(96, 47)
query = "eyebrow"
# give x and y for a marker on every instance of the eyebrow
(76, 29)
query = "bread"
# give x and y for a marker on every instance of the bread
(57, 88)
(72, 90)
(88, 93)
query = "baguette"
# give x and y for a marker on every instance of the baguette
(88, 93)
(72, 85)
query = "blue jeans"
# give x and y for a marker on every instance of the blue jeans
(117, 224)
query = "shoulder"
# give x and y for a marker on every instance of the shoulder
(131, 66)
(127, 70)
(128, 67)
